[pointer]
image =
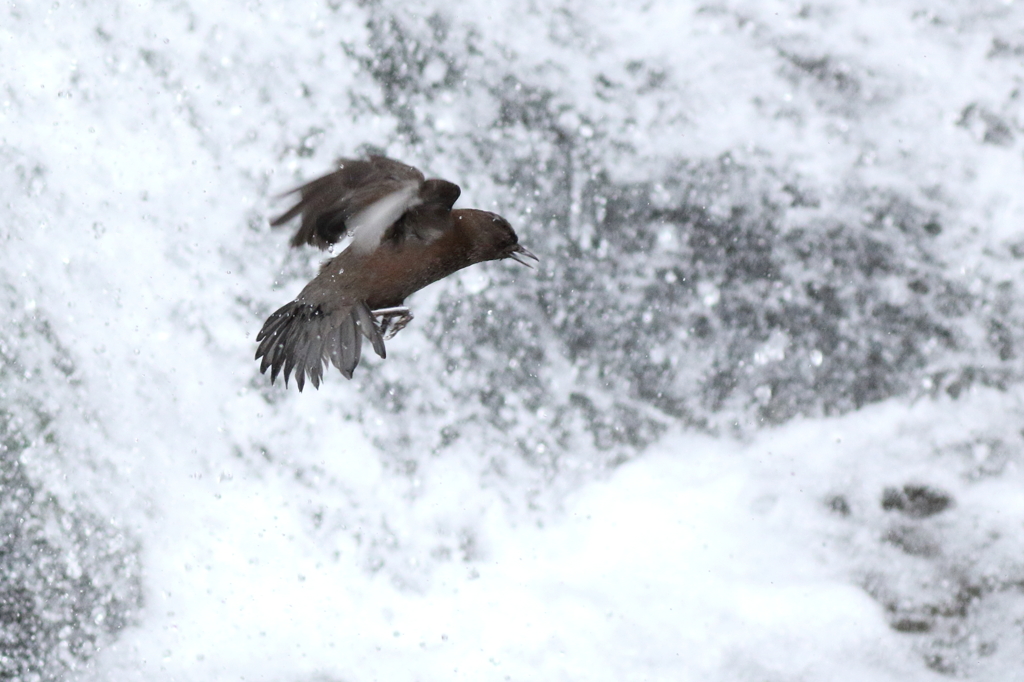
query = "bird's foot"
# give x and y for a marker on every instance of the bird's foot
(392, 320)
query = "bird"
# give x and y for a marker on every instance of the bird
(402, 233)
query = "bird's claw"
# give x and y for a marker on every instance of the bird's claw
(392, 320)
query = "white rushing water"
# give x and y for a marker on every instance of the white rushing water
(578, 473)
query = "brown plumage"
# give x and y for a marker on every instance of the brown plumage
(404, 236)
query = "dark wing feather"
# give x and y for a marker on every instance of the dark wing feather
(326, 204)
(301, 338)
(430, 218)
(351, 346)
(370, 329)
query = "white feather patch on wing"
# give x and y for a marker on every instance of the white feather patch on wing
(369, 225)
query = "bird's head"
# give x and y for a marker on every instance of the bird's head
(492, 238)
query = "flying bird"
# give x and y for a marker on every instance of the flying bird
(403, 235)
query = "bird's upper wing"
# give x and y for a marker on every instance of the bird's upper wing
(362, 197)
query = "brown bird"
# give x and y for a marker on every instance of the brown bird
(404, 236)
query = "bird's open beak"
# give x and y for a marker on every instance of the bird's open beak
(518, 253)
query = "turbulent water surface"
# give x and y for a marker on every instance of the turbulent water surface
(757, 415)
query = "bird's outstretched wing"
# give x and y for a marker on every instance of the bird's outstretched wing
(303, 336)
(362, 197)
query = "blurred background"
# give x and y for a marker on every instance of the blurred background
(757, 415)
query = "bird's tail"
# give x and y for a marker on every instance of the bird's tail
(303, 337)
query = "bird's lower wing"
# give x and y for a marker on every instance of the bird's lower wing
(303, 337)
